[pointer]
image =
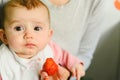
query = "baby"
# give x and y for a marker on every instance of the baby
(26, 34)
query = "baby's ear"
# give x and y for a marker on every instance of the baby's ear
(3, 36)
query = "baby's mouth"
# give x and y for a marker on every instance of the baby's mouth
(30, 45)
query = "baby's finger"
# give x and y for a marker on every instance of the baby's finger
(78, 75)
(74, 72)
(63, 73)
(44, 76)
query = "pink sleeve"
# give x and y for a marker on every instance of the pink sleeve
(64, 58)
(0, 77)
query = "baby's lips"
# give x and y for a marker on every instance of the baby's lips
(50, 67)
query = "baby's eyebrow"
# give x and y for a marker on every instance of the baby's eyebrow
(13, 21)
(37, 22)
(41, 23)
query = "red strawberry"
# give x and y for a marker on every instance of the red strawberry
(50, 67)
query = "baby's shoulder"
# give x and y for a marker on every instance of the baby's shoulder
(4, 50)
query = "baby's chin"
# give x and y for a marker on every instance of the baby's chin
(27, 55)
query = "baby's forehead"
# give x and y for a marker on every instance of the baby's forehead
(23, 15)
(11, 6)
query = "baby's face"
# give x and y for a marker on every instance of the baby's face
(27, 31)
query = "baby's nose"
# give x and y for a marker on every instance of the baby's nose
(28, 35)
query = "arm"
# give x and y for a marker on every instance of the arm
(64, 58)
(92, 35)
(73, 64)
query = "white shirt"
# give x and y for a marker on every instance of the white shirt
(13, 67)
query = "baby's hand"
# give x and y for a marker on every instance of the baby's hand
(78, 71)
(52, 71)
(62, 74)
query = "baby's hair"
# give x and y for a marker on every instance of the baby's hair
(29, 4)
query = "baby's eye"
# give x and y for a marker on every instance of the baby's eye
(18, 28)
(37, 28)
